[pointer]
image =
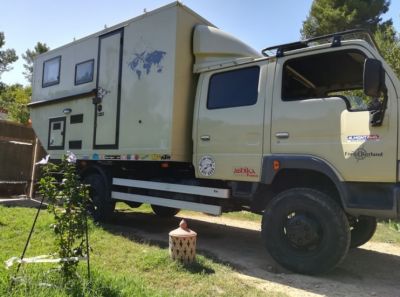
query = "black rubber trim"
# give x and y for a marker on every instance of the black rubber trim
(379, 196)
(380, 200)
(63, 99)
(358, 198)
(75, 144)
(76, 118)
(295, 162)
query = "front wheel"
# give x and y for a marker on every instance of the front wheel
(305, 231)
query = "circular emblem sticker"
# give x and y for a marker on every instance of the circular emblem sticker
(207, 166)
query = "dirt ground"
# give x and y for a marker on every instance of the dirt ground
(372, 270)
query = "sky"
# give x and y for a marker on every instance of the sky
(259, 23)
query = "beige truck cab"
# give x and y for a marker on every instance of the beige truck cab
(316, 124)
(168, 110)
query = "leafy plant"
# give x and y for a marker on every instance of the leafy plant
(14, 100)
(394, 225)
(68, 200)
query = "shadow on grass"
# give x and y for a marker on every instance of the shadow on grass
(243, 250)
(122, 223)
(22, 202)
(198, 268)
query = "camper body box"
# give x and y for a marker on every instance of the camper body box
(126, 92)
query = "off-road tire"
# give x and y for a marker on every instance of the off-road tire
(362, 230)
(164, 212)
(101, 206)
(132, 204)
(305, 231)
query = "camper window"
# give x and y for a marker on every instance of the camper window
(84, 72)
(51, 72)
(233, 88)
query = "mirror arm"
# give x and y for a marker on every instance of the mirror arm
(378, 122)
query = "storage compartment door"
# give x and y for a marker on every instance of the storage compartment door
(107, 103)
(56, 134)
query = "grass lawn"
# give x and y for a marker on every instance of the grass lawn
(123, 266)
(120, 266)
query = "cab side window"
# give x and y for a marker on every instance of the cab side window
(233, 88)
(333, 74)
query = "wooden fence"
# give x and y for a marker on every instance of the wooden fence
(19, 149)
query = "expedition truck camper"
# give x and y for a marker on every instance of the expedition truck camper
(166, 109)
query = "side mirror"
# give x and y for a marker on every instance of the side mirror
(374, 78)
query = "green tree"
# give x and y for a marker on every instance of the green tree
(388, 41)
(329, 16)
(14, 100)
(30, 55)
(7, 56)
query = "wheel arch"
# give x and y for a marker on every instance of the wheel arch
(302, 171)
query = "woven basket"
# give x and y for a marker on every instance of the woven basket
(182, 244)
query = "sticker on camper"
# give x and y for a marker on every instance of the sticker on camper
(207, 166)
(245, 171)
(363, 138)
(112, 157)
(362, 154)
(147, 62)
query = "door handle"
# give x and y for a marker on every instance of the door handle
(282, 135)
(205, 137)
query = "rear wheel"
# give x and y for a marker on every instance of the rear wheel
(101, 206)
(164, 212)
(305, 231)
(133, 204)
(362, 230)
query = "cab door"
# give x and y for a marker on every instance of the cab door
(228, 134)
(319, 110)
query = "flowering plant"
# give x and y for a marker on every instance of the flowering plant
(68, 201)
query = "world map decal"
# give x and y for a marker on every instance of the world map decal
(145, 62)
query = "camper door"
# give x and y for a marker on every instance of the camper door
(107, 103)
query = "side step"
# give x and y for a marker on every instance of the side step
(176, 188)
(207, 208)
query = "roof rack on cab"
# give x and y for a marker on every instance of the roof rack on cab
(335, 39)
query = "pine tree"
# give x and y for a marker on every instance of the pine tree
(30, 55)
(329, 16)
(7, 56)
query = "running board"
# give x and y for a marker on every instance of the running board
(176, 188)
(207, 208)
